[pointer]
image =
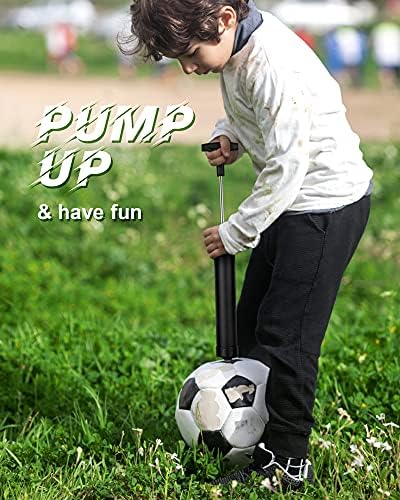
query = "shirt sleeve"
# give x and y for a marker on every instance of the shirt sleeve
(282, 108)
(223, 127)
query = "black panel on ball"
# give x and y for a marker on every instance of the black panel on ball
(188, 392)
(215, 441)
(245, 394)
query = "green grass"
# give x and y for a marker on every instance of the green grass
(101, 323)
(25, 51)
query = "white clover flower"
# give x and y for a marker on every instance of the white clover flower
(370, 468)
(391, 424)
(266, 483)
(234, 484)
(160, 238)
(343, 414)
(158, 443)
(201, 222)
(324, 444)
(362, 357)
(156, 465)
(353, 448)
(179, 467)
(112, 195)
(358, 461)
(79, 452)
(386, 446)
(382, 432)
(215, 492)
(96, 225)
(202, 209)
(371, 440)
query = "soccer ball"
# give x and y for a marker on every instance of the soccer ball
(222, 404)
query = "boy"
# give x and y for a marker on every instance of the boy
(307, 210)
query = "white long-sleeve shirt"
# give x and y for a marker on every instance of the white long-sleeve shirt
(286, 111)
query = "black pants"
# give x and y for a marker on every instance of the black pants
(288, 294)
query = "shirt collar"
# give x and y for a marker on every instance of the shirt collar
(246, 27)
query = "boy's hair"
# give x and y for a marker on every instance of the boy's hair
(168, 26)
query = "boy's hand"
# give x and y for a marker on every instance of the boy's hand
(213, 242)
(223, 155)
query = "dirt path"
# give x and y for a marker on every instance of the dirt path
(373, 115)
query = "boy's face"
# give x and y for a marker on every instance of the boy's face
(205, 56)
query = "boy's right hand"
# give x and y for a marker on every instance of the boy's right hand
(223, 155)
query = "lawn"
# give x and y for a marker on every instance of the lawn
(25, 51)
(102, 321)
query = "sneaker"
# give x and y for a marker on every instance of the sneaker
(279, 472)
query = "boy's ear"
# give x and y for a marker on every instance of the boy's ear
(227, 18)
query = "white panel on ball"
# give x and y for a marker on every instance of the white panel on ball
(243, 428)
(210, 409)
(259, 403)
(187, 426)
(214, 374)
(254, 370)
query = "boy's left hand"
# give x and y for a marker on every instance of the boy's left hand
(213, 242)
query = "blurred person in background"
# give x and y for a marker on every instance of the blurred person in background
(307, 37)
(333, 56)
(385, 39)
(393, 8)
(348, 49)
(61, 44)
(353, 45)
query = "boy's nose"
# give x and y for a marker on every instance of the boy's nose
(188, 67)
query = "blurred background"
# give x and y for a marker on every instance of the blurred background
(57, 50)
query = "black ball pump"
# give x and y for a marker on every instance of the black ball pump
(225, 293)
